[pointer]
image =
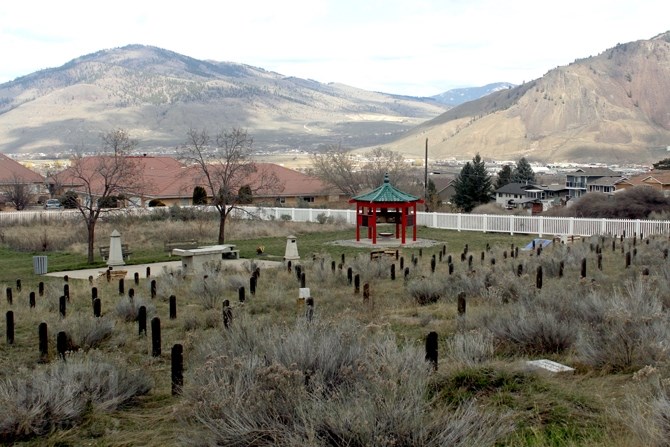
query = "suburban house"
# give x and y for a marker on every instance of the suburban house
(14, 175)
(535, 197)
(657, 179)
(586, 180)
(167, 181)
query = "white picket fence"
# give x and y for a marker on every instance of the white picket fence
(487, 223)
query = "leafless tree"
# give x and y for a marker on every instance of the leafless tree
(339, 169)
(111, 172)
(224, 165)
(18, 192)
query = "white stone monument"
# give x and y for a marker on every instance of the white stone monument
(291, 253)
(115, 252)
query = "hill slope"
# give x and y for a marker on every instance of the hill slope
(157, 95)
(611, 108)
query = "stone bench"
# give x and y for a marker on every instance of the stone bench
(194, 259)
(184, 245)
(125, 252)
(385, 235)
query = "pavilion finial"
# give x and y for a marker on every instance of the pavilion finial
(386, 178)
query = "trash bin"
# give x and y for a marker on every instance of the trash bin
(40, 265)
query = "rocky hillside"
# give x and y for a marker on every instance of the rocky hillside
(458, 96)
(157, 95)
(611, 108)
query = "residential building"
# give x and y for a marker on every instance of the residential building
(656, 179)
(585, 180)
(14, 175)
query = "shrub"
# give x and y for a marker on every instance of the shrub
(320, 384)
(89, 332)
(60, 395)
(470, 348)
(425, 291)
(285, 217)
(127, 309)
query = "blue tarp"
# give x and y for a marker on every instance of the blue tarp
(538, 243)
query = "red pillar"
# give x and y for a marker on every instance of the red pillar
(359, 219)
(374, 225)
(403, 219)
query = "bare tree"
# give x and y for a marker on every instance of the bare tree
(224, 165)
(339, 169)
(97, 179)
(18, 192)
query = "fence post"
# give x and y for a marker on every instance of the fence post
(571, 226)
(540, 226)
(485, 224)
(458, 222)
(511, 225)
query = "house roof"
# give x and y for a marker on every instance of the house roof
(661, 176)
(12, 171)
(596, 172)
(606, 181)
(514, 188)
(166, 177)
(386, 193)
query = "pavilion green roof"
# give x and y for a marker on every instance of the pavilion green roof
(385, 193)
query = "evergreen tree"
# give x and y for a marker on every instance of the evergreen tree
(523, 172)
(199, 196)
(473, 185)
(504, 177)
(663, 164)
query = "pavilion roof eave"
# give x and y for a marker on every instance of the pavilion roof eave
(386, 204)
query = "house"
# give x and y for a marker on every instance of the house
(657, 179)
(17, 179)
(536, 197)
(444, 186)
(170, 182)
(589, 179)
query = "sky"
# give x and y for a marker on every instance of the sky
(410, 47)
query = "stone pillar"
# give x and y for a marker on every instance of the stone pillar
(115, 253)
(291, 253)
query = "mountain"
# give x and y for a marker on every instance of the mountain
(157, 95)
(458, 96)
(611, 108)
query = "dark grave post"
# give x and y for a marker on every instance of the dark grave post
(122, 289)
(66, 291)
(97, 305)
(309, 311)
(357, 283)
(406, 273)
(61, 305)
(462, 257)
(40, 288)
(505, 254)
(645, 272)
(392, 272)
(461, 304)
(431, 349)
(31, 299)
(481, 260)
(343, 258)
(10, 300)
(561, 266)
(61, 344)
(142, 321)
(449, 260)
(94, 293)
(634, 253)
(148, 273)
(252, 285)
(108, 274)
(432, 264)
(493, 261)
(350, 275)
(288, 266)
(366, 292)
(227, 314)
(465, 249)
(439, 256)
(131, 293)
(173, 307)
(665, 253)
(397, 254)
(613, 244)
(155, 337)
(66, 278)
(90, 279)
(43, 336)
(516, 252)
(533, 244)
(415, 261)
(444, 249)
(600, 261)
(303, 280)
(9, 316)
(538, 277)
(519, 270)
(332, 266)
(402, 262)
(18, 285)
(177, 370)
(539, 250)
(136, 278)
(298, 271)
(583, 273)
(240, 293)
(420, 252)
(451, 268)
(470, 262)
(153, 288)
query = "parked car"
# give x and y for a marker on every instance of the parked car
(52, 204)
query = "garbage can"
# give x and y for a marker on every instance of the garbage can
(40, 265)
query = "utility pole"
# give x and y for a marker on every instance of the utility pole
(425, 175)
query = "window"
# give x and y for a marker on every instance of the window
(308, 199)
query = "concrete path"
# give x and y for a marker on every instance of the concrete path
(157, 268)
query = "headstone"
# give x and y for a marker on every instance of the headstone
(291, 252)
(115, 252)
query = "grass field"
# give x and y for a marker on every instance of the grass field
(355, 372)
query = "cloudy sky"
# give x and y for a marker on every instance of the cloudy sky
(412, 47)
